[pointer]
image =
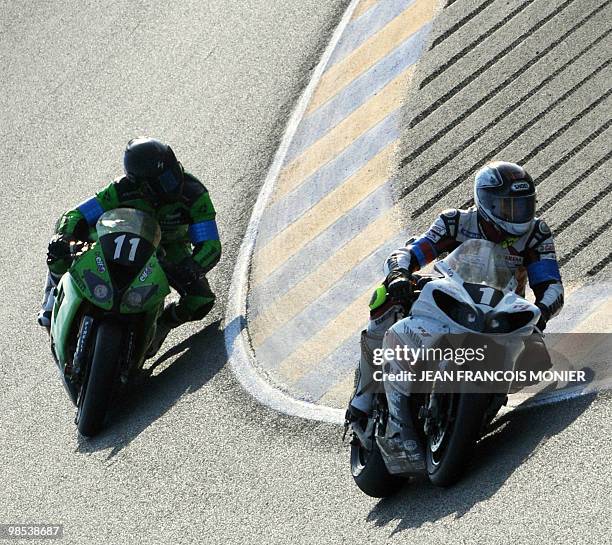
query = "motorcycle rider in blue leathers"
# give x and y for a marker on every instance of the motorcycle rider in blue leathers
(503, 213)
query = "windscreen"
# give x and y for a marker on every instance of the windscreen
(129, 220)
(482, 262)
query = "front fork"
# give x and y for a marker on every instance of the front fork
(72, 372)
(131, 356)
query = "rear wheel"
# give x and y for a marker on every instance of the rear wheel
(95, 395)
(453, 433)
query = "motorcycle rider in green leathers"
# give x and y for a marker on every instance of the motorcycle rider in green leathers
(154, 182)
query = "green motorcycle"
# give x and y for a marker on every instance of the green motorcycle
(105, 312)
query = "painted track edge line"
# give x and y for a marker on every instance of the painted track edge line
(241, 357)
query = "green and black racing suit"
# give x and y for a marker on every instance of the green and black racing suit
(190, 239)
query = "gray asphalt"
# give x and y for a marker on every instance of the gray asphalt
(190, 458)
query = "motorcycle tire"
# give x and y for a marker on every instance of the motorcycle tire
(95, 399)
(466, 427)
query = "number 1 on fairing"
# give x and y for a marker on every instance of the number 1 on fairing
(118, 247)
(487, 295)
(134, 246)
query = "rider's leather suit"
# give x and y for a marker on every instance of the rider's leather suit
(536, 262)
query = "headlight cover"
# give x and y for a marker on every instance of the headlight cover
(135, 299)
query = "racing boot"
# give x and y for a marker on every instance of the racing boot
(381, 319)
(534, 358)
(165, 323)
(361, 401)
(44, 314)
(401, 444)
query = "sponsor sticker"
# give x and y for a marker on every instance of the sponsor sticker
(546, 248)
(520, 186)
(145, 273)
(513, 260)
(468, 233)
(100, 264)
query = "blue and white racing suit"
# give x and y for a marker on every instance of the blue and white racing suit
(536, 262)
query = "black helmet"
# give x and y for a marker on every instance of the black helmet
(505, 196)
(153, 164)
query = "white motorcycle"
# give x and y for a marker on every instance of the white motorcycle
(430, 428)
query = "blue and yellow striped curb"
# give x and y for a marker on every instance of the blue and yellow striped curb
(330, 220)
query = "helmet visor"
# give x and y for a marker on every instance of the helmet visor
(511, 209)
(168, 182)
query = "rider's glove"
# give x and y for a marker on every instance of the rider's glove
(399, 284)
(183, 274)
(544, 316)
(60, 253)
(59, 248)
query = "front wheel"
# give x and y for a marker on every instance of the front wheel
(453, 436)
(97, 389)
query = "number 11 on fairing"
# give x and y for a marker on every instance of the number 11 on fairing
(119, 246)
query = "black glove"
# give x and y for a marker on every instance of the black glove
(544, 316)
(399, 284)
(185, 273)
(59, 249)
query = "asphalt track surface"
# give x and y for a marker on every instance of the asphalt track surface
(190, 458)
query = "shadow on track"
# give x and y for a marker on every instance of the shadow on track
(198, 359)
(515, 438)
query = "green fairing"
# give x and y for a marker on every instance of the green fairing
(150, 276)
(88, 263)
(66, 307)
(73, 290)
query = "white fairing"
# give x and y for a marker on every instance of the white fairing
(476, 262)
